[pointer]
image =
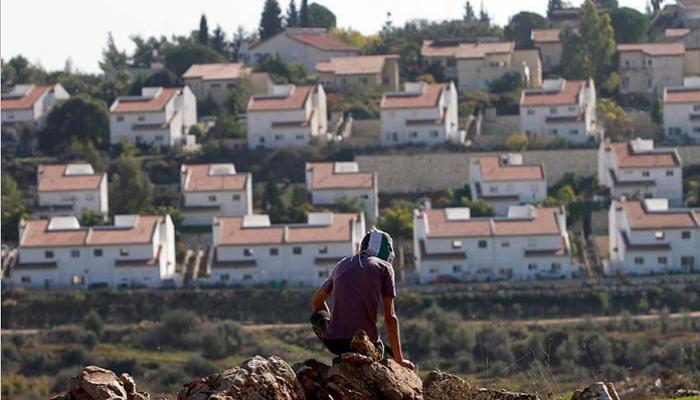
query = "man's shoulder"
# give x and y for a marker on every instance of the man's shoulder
(378, 262)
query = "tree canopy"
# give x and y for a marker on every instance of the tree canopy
(520, 27)
(321, 17)
(81, 117)
(180, 57)
(271, 20)
(304, 20)
(630, 25)
(203, 33)
(292, 18)
(131, 191)
(113, 59)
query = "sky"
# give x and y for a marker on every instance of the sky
(77, 29)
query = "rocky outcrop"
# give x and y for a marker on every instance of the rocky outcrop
(95, 383)
(597, 391)
(441, 386)
(255, 379)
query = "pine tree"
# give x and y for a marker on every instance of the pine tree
(554, 5)
(113, 60)
(304, 20)
(656, 5)
(218, 40)
(271, 20)
(483, 15)
(469, 12)
(292, 15)
(203, 37)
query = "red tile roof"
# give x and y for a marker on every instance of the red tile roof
(428, 98)
(546, 35)
(315, 37)
(220, 71)
(493, 170)
(626, 158)
(157, 103)
(544, 222)
(354, 65)
(53, 178)
(654, 49)
(682, 95)
(340, 230)
(36, 234)
(199, 180)
(568, 95)
(27, 101)
(466, 50)
(676, 33)
(440, 226)
(640, 218)
(274, 103)
(323, 176)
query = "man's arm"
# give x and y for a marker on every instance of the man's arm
(391, 323)
(318, 300)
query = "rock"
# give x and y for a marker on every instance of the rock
(441, 386)
(361, 344)
(257, 378)
(95, 383)
(597, 391)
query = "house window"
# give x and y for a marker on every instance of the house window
(456, 269)
(247, 277)
(573, 132)
(451, 62)
(300, 137)
(493, 189)
(688, 262)
(323, 274)
(278, 137)
(296, 250)
(230, 85)
(26, 279)
(572, 109)
(556, 267)
(414, 134)
(649, 61)
(434, 133)
(141, 118)
(215, 85)
(530, 111)
(97, 252)
(75, 253)
(552, 110)
(456, 244)
(645, 174)
(225, 277)
(274, 251)
(696, 129)
(434, 271)
(77, 280)
(639, 261)
(89, 197)
(123, 252)
(212, 199)
(685, 235)
(553, 131)
(696, 107)
(365, 197)
(323, 250)
(659, 235)
(662, 260)
(669, 173)
(532, 267)
(505, 244)
(48, 254)
(159, 138)
(120, 118)
(236, 197)
(248, 252)
(482, 244)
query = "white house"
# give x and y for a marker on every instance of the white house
(682, 112)
(217, 81)
(529, 243)
(68, 189)
(159, 116)
(503, 181)
(29, 105)
(138, 250)
(331, 182)
(360, 71)
(289, 117)
(560, 109)
(648, 237)
(423, 114)
(549, 44)
(301, 46)
(210, 190)
(638, 170)
(646, 67)
(249, 250)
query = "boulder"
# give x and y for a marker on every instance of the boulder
(95, 383)
(597, 391)
(257, 378)
(441, 386)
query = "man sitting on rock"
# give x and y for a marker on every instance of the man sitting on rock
(359, 284)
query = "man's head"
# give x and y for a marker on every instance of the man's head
(379, 244)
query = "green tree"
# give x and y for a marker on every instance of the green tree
(520, 26)
(113, 60)
(553, 5)
(131, 192)
(478, 207)
(179, 58)
(469, 14)
(321, 17)
(145, 50)
(203, 33)
(292, 18)
(81, 117)
(304, 20)
(280, 70)
(630, 25)
(89, 218)
(617, 123)
(509, 82)
(517, 141)
(484, 15)
(13, 209)
(397, 220)
(271, 20)
(272, 199)
(92, 322)
(566, 195)
(78, 150)
(656, 5)
(218, 40)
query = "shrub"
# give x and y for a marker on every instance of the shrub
(517, 141)
(93, 323)
(199, 366)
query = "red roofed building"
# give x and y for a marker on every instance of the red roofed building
(69, 189)
(473, 63)
(682, 111)
(211, 190)
(648, 237)
(217, 81)
(645, 67)
(503, 181)
(423, 114)
(361, 71)
(528, 243)
(301, 46)
(29, 105)
(250, 250)
(159, 116)
(137, 251)
(333, 182)
(549, 44)
(560, 109)
(638, 170)
(291, 116)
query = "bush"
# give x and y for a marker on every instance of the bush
(517, 141)
(198, 366)
(93, 323)
(90, 340)
(74, 356)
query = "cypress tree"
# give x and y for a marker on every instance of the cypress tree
(203, 37)
(292, 15)
(271, 20)
(304, 20)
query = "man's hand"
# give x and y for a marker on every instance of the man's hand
(407, 363)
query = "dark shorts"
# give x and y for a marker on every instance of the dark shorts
(320, 319)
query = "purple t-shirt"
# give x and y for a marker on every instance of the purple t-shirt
(357, 285)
